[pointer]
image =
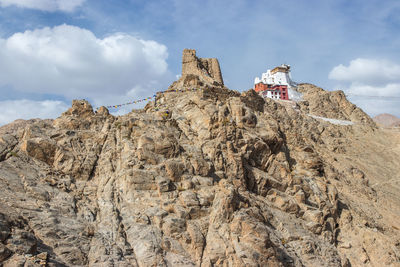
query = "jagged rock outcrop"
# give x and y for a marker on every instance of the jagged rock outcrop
(226, 179)
(333, 104)
(198, 72)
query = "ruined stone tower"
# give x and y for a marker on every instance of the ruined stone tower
(205, 67)
(197, 72)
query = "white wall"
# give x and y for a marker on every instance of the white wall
(276, 78)
(281, 78)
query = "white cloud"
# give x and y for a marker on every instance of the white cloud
(384, 90)
(45, 5)
(369, 77)
(367, 71)
(372, 84)
(74, 63)
(28, 109)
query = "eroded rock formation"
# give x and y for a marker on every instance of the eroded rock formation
(198, 72)
(226, 179)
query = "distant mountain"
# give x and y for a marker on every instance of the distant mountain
(387, 120)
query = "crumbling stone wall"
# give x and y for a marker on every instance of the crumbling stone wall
(198, 71)
(212, 65)
(207, 68)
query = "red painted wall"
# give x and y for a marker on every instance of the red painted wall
(283, 90)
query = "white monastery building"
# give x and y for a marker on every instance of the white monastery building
(277, 84)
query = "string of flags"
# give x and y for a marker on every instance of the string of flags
(150, 97)
(132, 102)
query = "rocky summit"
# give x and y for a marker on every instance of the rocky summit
(204, 176)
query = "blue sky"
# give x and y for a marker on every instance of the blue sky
(110, 52)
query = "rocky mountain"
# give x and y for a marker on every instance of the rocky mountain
(204, 177)
(387, 120)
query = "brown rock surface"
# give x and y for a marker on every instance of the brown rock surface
(228, 179)
(331, 104)
(198, 72)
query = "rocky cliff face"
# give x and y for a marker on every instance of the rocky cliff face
(331, 105)
(221, 179)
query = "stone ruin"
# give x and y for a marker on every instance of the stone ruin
(198, 72)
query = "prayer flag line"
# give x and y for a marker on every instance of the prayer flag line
(150, 97)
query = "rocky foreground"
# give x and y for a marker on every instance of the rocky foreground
(223, 179)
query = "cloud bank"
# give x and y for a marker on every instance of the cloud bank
(72, 62)
(367, 71)
(373, 84)
(28, 109)
(44, 5)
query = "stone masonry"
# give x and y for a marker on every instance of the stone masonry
(198, 71)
